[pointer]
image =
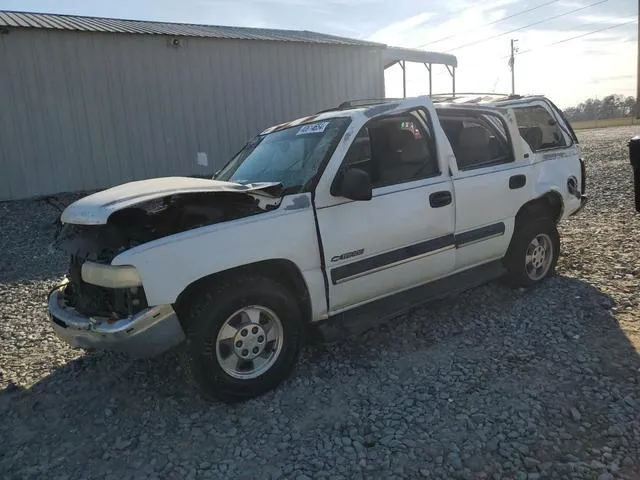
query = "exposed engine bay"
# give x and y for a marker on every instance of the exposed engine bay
(133, 226)
(151, 220)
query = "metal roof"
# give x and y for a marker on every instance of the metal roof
(113, 25)
(392, 55)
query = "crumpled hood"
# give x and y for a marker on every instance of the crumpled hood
(95, 209)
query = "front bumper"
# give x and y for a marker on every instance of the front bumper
(145, 334)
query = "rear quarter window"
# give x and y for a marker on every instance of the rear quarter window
(539, 128)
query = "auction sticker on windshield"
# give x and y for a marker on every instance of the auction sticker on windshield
(313, 128)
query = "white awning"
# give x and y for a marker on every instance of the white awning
(391, 55)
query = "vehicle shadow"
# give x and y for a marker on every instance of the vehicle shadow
(554, 355)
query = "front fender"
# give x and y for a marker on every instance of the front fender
(168, 265)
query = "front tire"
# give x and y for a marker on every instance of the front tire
(533, 253)
(243, 338)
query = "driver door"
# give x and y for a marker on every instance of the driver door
(403, 236)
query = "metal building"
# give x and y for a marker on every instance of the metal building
(88, 103)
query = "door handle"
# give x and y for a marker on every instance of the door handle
(440, 199)
(517, 181)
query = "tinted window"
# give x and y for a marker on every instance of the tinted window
(477, 142)
(394, 150)
(538, 128)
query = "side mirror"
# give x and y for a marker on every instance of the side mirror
(355, 185)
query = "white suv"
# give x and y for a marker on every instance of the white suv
(333, 221)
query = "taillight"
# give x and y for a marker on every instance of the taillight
(583, 179)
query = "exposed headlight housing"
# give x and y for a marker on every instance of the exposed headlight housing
(110, 276)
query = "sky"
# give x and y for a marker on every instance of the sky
(477, 32)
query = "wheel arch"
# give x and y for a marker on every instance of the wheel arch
(278, 269)
(549, 203)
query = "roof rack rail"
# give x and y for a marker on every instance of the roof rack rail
(333, 109)
(367, 102)
(462, 94)
(439, 97)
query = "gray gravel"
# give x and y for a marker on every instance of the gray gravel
(496, 384)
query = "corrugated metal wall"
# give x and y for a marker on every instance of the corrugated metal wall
(83, 111)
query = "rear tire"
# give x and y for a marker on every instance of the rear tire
(533, 252)
(244, 337)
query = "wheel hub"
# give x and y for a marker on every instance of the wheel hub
(538, 256)
(249, 342)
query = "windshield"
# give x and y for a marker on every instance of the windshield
(291, 156)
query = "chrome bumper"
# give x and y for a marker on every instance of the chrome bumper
(145, 334)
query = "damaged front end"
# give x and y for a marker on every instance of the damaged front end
(104, 306)
(111, 291)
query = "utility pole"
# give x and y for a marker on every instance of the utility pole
(512, 65)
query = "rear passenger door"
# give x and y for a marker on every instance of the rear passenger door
(491, 182)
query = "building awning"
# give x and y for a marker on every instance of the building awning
(392, 55)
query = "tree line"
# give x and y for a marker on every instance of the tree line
(611, 106)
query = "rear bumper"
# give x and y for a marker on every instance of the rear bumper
(583, 201)
(583, 187)
(146, 334)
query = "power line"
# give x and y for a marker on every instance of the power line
(595, 31)
(491, 23)
(529, 25)
(577, 36)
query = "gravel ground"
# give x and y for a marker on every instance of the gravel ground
(498, 384)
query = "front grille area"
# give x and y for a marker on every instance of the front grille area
(92, 300)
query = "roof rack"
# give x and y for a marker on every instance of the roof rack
(360, 103)
(464, 97)
(472, 97)
(367, 102)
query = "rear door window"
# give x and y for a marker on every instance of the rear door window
(478, 140)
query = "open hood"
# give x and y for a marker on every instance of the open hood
(95, 209)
